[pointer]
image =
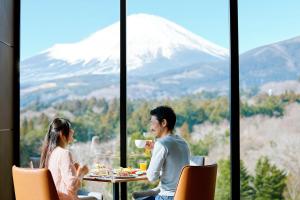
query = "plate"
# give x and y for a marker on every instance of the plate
(139, 173)
(96, 175)
(123, 177)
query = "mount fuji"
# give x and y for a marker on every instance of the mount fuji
(154, 44)
(163, 59)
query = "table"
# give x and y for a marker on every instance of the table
(115, 181)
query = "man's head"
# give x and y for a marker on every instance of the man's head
(162, 121)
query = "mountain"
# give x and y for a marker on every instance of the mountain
(271, 63)
(163, 60)
(154, 44)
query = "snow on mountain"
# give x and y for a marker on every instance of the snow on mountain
(152, 42)
(149, 36)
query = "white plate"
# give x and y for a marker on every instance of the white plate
(123, 177)
(96, 175)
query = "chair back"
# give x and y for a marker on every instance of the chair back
(33, 184)
(197, 183)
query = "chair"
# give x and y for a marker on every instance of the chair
(197, 183)
(33, 184)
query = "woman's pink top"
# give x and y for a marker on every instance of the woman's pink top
(63, 172)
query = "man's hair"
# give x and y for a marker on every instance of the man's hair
(167, 113)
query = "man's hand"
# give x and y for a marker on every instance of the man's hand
(149, 145)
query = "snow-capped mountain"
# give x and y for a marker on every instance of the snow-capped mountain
(163, 60)
(154, 44)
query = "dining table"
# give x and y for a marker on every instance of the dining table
(115, 180)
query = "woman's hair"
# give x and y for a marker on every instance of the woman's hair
(52, 138)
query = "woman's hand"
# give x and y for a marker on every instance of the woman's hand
(82, 170)
(76, 165)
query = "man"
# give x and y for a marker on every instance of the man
(169, 155)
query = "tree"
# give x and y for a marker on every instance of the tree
(269, 182)
(223, 181)
(24, 126)
(247, 191)
(185, 132)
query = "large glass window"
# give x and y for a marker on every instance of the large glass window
(269, 85)
(70, 68)
(177, 55)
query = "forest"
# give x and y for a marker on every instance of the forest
(100, 117)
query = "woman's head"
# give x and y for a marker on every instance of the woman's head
(60, 133)
(61, 128)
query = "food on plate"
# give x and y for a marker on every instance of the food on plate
(128, 172)
(100, 170)
(122, 171)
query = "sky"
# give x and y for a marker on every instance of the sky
(261, 22)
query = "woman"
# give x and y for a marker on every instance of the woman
(66, 174)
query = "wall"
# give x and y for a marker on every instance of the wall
(8, 60)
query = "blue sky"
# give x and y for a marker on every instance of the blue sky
(45, 23)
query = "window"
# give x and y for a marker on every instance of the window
(269, 87)
(176, 55)
(70, 68)
(176, 58)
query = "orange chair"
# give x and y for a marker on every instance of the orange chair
(197, 183)
(33, 184)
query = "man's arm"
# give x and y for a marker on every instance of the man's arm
(157, 160)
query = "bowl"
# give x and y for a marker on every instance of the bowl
(140, 143)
